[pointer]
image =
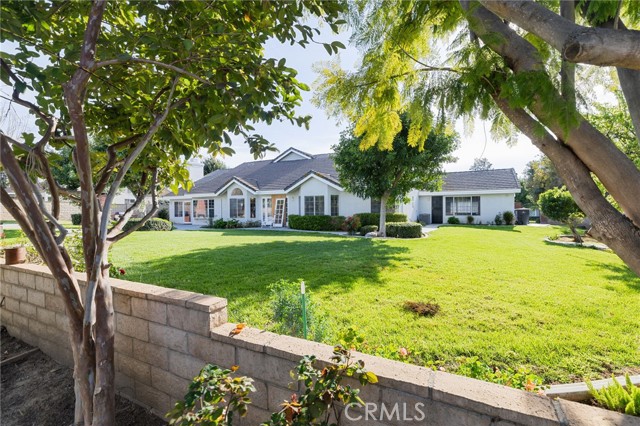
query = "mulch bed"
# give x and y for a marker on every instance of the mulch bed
(36, 390)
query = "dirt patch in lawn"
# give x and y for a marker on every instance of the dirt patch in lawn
(36, 390)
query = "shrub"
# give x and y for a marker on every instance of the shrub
(404, 229)
(164, 214)
(351, 225)
(498, 219)
(287, 312)
(368, 228)
(470, 220)
(616, 397)
(219, 224)
(374, 218)
(76, 218)
(316, 223)
(232, 224)
(252, 224)
(453, 220)
(153, 224)
(508, 217)
(520, 378)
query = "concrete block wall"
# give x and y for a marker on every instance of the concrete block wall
(165, 336)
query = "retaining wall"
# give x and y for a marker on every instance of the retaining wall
(165, 336)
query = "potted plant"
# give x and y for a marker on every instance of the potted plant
(15, 250)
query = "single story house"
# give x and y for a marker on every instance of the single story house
(297, 183)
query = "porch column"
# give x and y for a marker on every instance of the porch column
(247, 206)
(327, 201)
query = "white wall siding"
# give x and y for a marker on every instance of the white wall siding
(349, 204)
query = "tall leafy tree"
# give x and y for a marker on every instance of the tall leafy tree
(540, 175)
(512, 62)
(211, 164)
(158, 80)
(390, 174)
(558, 204)
(481, 164)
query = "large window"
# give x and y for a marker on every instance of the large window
(203, 209)
(463, 206)
(236, 208)
(177, 209)
(334, 205)
(314, 205)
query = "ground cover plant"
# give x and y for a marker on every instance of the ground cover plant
(505, 295)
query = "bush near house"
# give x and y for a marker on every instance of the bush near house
(508, 218)
(76, 218)
(404, 229)
(164, 214)
(153, 224)
(368, 228)
(316, 223)
(453, 220)
(374, 218)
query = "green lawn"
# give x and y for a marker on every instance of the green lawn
(506, 296)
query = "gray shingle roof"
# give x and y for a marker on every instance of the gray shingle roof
(266, 175)
(482, 180)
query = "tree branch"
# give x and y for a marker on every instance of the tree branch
(149, 215)
(576, 43)
(178, 70)
(112, 159)
(127, 214)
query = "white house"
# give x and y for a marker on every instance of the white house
(303, 184)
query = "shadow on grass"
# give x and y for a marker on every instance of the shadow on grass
(510, 228)
(618, 273)
(242, 272)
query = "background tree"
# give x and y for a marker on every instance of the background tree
(211, 164)
(558, 204)
(389, 175)
(540, 175)
(512, 63)
(481, 164)
(158, 81)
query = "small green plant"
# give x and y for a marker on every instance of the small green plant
(287, 312)
(520, 378)
(404, 229)
(470, 220)
(164, 214)
(219, 224)
(213, 398)
(508, 217)
(316, 223)
(153, 224)
(498, 219)
(76, 218)
(617, 397)
(374, 218)
(453, 220)
(233, 224)
(364, 230)
(351, 225)
(323, 390)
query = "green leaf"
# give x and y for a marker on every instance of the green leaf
(328, 48)
(188, 44)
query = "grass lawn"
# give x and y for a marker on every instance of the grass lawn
(505, 295)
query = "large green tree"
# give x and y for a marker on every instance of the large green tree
(211, 164)
(558, 204)
(512, 62)
(160, 81)
(539, 176)
(389, 175)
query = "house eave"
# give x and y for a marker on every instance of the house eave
(471, 192)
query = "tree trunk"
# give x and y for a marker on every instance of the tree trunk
(576, 235)
(382, 229)
(104, 394)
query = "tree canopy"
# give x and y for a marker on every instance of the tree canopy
(390, 174)
(512, 63)
(211, 164)
(557, 204)
(155, 81)
(539, 176)
(481, 164)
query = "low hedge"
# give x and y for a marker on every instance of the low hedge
(368, 228)
(76, 218)
(374, 218)
(316, 223)
(153, 224)
(404, 229)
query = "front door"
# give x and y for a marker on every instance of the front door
(279, 215)
(187, 212)
(436, 209)
(267, 212)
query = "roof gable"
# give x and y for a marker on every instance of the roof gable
(292, 154)
(481, 180)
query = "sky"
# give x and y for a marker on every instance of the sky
(324, 131)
